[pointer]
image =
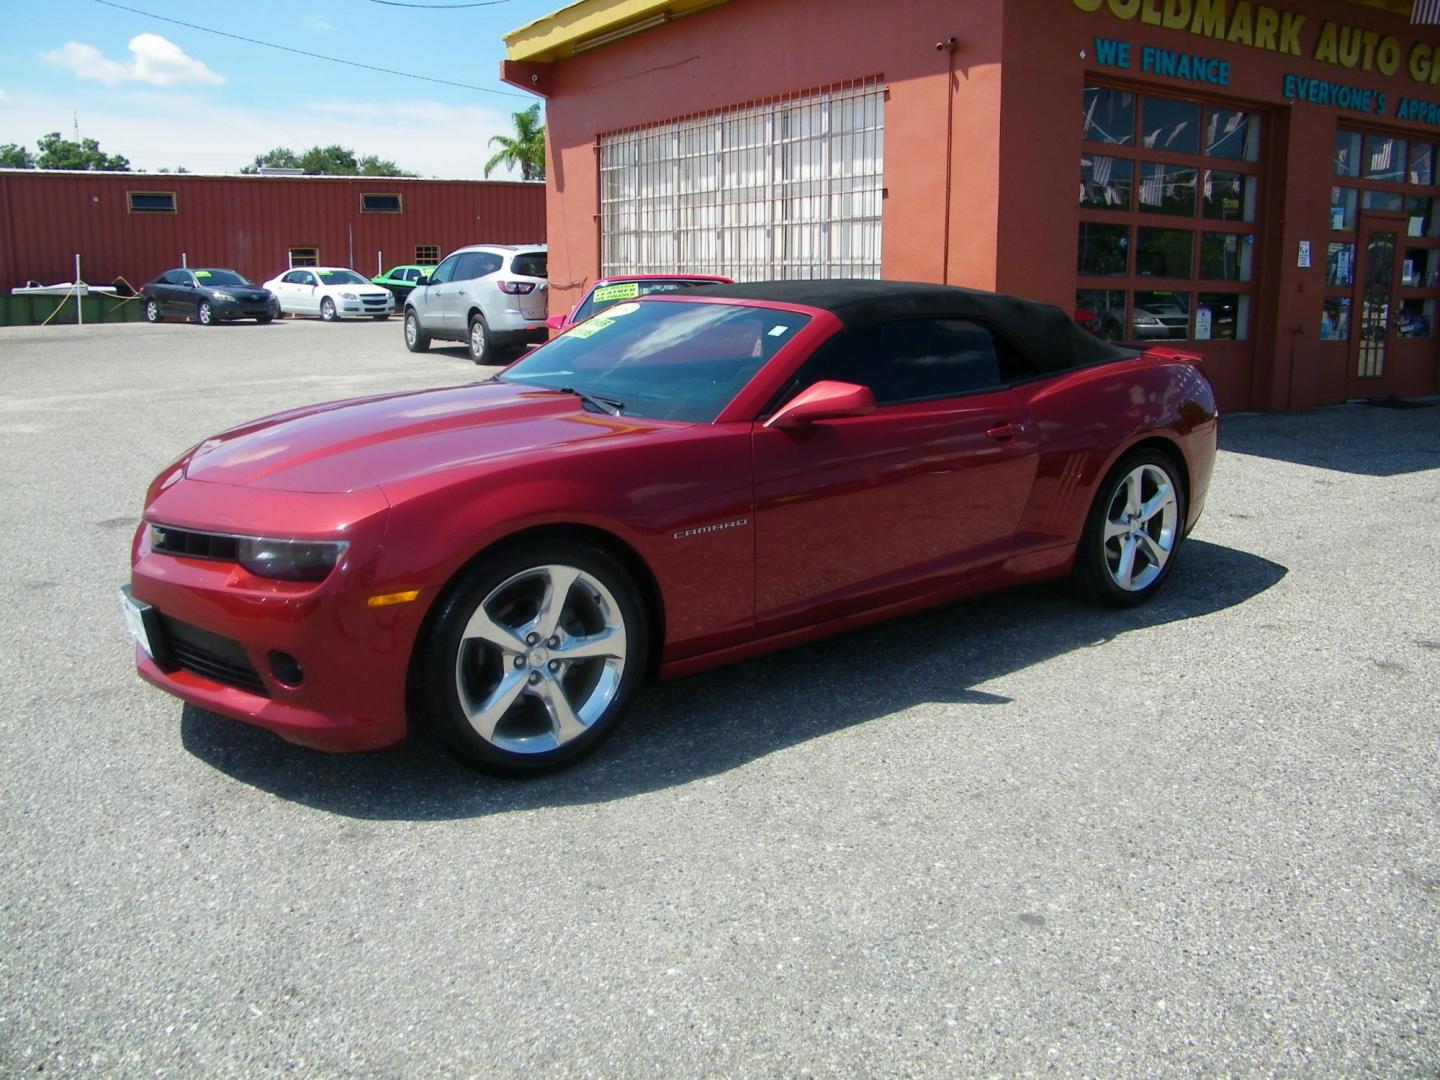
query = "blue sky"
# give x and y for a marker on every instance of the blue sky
(166, 95)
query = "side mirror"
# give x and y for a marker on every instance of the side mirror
(423, 279)
(556, 322)
(825, 400)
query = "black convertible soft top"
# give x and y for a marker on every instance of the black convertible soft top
(1050, 338)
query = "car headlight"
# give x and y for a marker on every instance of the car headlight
(1146, 320)
(348, 296)
(221, 294)
(290, 560)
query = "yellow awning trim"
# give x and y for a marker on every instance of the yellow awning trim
(591, 23)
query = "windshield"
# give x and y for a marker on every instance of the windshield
(664, 361)
(219, 277)
(607, 295)
(342, 277)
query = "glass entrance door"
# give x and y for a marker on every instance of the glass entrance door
(1375, 306)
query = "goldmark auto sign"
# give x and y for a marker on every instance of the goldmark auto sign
(1261, 26)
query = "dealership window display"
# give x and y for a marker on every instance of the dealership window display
(1385, 241)
(1168, 206)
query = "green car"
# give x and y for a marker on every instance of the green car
(401, 279)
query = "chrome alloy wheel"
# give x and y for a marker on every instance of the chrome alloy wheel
(1141, 526)
(477, 339)
(412, 329)
(541, 659)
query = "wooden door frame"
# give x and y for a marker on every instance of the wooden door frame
(1367, 224)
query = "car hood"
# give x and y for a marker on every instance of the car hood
(369, 442)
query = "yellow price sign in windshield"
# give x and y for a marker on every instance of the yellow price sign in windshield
(623, 290)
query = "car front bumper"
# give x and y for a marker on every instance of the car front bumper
(244, 309)
(357, 309)
(227, 637)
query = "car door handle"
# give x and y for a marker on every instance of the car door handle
(1005, 432)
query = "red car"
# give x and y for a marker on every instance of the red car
(677, 483)
(614, 290)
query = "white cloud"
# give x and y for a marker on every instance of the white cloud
(166, 130)
(153, 59)
(314, 22)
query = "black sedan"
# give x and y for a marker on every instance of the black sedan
(208, 296)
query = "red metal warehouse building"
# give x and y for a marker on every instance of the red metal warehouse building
(1256, 181)
(135, 225)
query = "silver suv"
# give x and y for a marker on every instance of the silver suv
(490, 296)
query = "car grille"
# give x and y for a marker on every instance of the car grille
(375, 299)
(194, 545)
(211, 656)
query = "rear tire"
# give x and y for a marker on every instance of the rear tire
(416, 339)
(263, 319)
(1133, 532)
(482, 348)
(531, 657)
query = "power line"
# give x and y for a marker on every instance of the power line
(311, 55)
(441, 7)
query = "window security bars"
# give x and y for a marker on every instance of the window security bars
(789, 188)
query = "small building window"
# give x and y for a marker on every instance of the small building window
(427, 254)
(306, 256)
(380, 204)
(151, 202)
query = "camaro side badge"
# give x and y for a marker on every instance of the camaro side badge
(700, 530)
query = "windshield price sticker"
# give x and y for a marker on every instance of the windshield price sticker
(590, 327)
(778, 331)
(202, 273)
(625, 290)
(620, 310)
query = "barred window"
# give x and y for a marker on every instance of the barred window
(791, 188)
(427, 254)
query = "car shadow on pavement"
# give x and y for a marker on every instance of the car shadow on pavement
(708, 724)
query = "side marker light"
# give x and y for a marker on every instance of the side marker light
(391, 599)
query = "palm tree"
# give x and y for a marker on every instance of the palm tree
(526, 149)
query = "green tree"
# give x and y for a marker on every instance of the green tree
(525, 150)
(370, 165)
(13, 156)
(279, 158)
(326, 161)
(58, 153)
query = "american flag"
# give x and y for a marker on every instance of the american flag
(1426, 12)
(1152, 187)
(1381, 153)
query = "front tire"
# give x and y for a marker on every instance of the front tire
(152, 311)
(327, 310)
(532, 657)
(205, 314)
(263, 319)
(380, 318)
(1133, 531)
(416, 339)
(482, 349)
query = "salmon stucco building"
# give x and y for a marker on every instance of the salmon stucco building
(1257, 181)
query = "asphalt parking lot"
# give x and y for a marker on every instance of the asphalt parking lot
(1013, 836)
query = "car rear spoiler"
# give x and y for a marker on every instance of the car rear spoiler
(1173, 356)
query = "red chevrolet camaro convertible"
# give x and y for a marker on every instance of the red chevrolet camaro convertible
(677, 483)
